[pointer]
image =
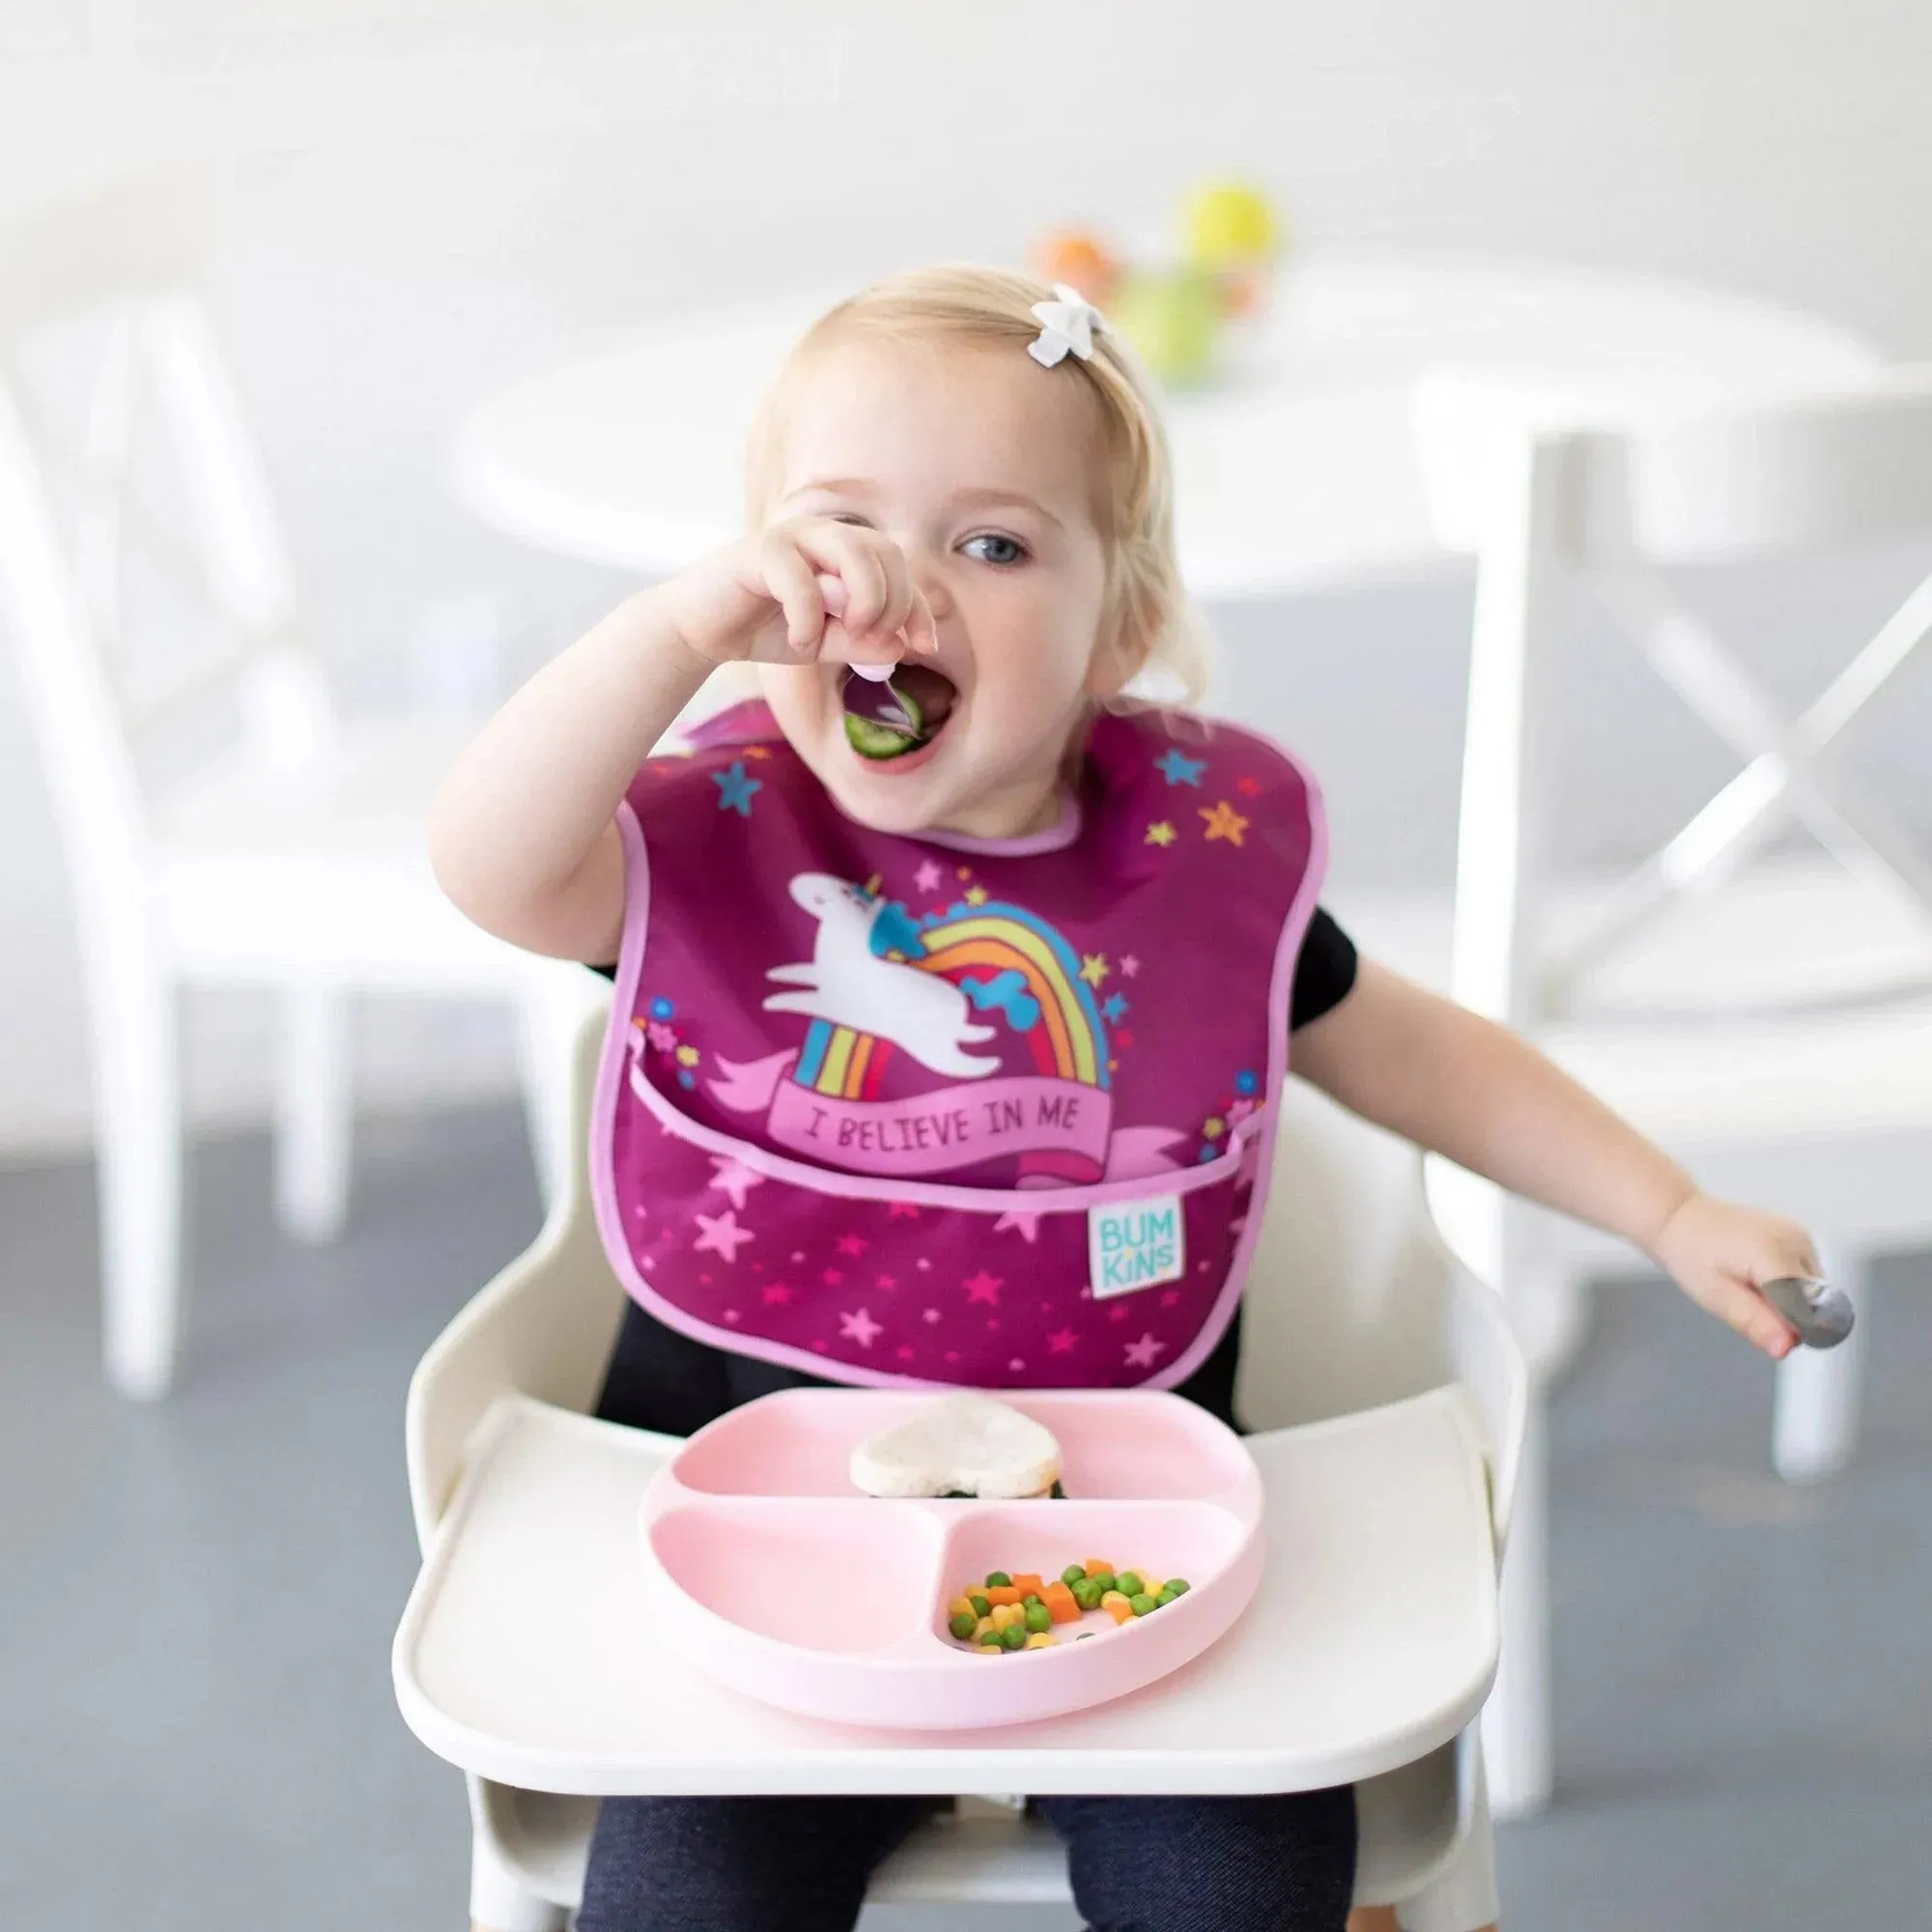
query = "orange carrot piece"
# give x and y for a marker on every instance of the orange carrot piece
(1098, 1566)
(1005, 1593)
(1029, 1584)
(1122, 1612)
(1059, 1604)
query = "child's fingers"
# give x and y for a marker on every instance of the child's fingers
(1746, 1310)
(790, 579)
(850, 555)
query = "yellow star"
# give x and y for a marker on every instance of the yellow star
(687, 1056)
(1160, 833)
(1212, 1130)
(1093, 967)
(1224, 822)
(975, 895)
(756, 750)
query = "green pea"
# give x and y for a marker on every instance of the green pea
(1086, 1594)
(1166, 1595)
(1014, 1637)
(1038, 1616)
(1103, 1582)
(1178, 1585)
(1128, 1583)
(1030, 1597)
(998, 1579)
(963, 1625)
(1073, 1573)
(1142, 1604)
(982, 1606)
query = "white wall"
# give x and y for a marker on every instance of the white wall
(426, 197)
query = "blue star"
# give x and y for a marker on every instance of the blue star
(735, 789)
(1246, 1083)
(1114, 1009)
(1179, 771)
(662, 1008)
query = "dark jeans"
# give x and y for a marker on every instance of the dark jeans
(1138, 1864)
(801, 1864)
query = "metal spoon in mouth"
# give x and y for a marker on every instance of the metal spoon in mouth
(1821, 1314)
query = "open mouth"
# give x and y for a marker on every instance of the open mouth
(900, 715)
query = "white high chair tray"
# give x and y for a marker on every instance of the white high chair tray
(526, 1652)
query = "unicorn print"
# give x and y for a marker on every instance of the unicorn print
(848, 984)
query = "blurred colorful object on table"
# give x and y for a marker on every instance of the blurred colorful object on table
(1173, 318)
(1081, 260)
(1172, 311)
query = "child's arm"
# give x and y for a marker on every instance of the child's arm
(523, 834)
(1464, 1087)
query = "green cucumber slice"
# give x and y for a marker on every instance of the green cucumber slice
(872, 740)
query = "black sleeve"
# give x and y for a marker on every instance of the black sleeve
(1324, 971)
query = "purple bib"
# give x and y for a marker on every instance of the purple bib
(943, 1110)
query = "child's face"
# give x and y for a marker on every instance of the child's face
(981, 466)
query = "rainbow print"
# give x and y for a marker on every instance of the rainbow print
(1004, 959)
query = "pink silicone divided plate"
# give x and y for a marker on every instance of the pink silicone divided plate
(767, 1568)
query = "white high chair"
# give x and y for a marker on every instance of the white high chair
(291, 855)
(1394, 1396)
(1765, 1015)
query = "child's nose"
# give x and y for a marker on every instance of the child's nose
(933, 586)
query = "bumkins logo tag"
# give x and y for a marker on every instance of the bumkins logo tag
(1138, 1244)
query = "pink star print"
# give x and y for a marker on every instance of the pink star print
(932, 1314)
(901, 1210)
(928, 877)
(903, 1352)
(860, 1327)
(1061, 1343)
(1023, 1224)
(721, 1236)
(1130, 966)
(778, 1293)
(663, 1037)
(832, 1277)
(888, 1282)
(733, 1178)
(1141, 1354)
(854, 1245)
(1238, 1111)
(983, 1286)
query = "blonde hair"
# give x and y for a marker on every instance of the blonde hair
(1151, 620)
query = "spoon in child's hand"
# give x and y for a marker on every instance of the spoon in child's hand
(1821, 1314)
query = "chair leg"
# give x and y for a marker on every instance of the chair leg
(314, 1112)
(498, 1899)
(1462, 1897)
(1516, 1728)
(1815, 1417)
(137, 1136)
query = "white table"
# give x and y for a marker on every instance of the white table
(1300, 472)
(526, 1652)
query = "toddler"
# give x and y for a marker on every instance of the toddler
(925, 1016)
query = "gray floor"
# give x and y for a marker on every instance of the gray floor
(197, 1598)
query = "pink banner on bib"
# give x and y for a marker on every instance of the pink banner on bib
(956, 1128)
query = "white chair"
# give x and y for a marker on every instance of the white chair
(291, 855)
(1766, 1016)
(1355, 1303)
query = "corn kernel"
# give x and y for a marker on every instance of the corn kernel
(959, 1608)
(1040, 1640)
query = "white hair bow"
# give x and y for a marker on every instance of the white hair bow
(1065, 325)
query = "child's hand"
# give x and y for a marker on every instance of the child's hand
(801, 591)
(1719, 1252)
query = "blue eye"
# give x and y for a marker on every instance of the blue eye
(997, 548)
